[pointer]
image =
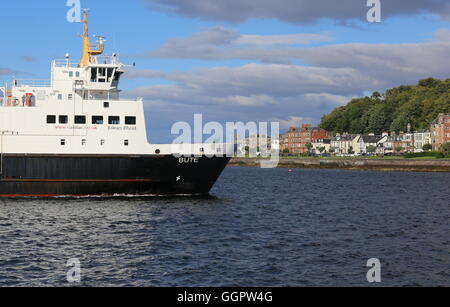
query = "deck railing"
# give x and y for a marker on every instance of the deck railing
(32, 83)
(106, 60)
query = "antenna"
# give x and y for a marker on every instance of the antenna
(88, 51)
(115, 42)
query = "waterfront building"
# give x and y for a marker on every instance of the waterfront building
(367, 141)
(421, 138)
(296, 139)
(275, 144)
(345, 144)
(400, 143)
(440, 131)
(254, 144)
(324, 144)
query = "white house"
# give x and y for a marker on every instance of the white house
(345, 144)
(324, 144)
(421, 138)
(366, 141)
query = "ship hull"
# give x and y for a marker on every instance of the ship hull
(71, 175)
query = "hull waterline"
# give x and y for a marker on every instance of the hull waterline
(65, 175)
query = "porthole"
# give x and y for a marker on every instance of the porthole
(157, 151)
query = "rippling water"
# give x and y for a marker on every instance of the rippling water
(259, 228)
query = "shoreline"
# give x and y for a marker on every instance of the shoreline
(392, 165)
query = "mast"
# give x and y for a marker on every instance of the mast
(88, 52)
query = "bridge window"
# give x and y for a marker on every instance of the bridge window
(94, 74)
(114, 120)
(97, 120)
(70, 74)
(77, 74)
(63, 119)
(117, 75)
(102, 75)
(130, 120)
(110, 73)
(80, 120)
(51, 119)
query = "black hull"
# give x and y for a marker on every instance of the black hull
(65, 175)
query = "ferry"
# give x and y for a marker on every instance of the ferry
(74, 136)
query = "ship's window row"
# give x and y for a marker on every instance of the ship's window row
(102, 74)
(69, 96)
(96, 120)
(102, 143)
(77, 74)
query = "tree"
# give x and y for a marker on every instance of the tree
(309, 146)
(427, 147)
(351, 151)
(371, 149)
(417, 105)
(445, 149)
(398, 149)
(376, 95)
(322, 149)
(286, 151)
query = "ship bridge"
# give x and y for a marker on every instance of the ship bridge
(101, 75)
(94, 77)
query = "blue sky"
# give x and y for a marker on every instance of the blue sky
(287, 61)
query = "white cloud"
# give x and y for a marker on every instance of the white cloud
(277, 89)
(280, 40)
(275, 80)
(28, 58)
(384, 62)
(6, 71)
(296, 11)
(337, 73)
(219, 43)
(293, 121)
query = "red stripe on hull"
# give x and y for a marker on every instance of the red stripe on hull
(79, 180)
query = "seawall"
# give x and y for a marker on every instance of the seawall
(355, 164)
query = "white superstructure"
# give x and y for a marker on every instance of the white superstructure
(77, 111)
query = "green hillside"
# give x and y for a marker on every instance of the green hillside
(418, 105)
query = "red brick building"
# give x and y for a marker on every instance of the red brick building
(440, 131)
(295, 139)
